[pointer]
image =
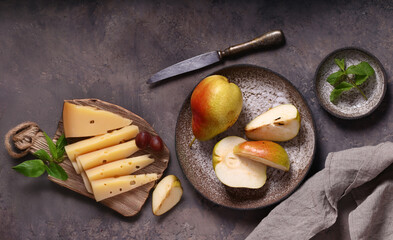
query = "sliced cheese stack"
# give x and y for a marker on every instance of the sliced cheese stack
(102, 160)
(99, 142)
(110, 179)
(106, 155)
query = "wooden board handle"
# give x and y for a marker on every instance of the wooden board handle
(24, 138)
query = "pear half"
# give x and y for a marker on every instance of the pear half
(281, 123)
(236, 171)
(166, 195)
(266, 152)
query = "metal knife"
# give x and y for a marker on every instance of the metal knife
(268, 40)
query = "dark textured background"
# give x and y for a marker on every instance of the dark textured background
(56, 50)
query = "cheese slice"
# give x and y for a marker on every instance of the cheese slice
(102, 141)
(79, 165)
(106, 155)
(76, 167)
(86, 182)
(85, 121)
(109, 187)
(119, 167)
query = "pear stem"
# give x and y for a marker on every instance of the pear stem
(193, 140)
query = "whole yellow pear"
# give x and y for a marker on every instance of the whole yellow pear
(215, 105)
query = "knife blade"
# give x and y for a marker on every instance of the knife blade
(268, 40)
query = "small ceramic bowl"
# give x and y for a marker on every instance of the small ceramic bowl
(351, 104)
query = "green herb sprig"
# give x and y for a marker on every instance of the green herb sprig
(46, 162)
(347, 78)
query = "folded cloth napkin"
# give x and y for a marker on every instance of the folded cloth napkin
(362, 178)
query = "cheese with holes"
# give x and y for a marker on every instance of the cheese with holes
(85, 121)
(119, 167)
(106, 155)
(102, 141)
(109, 187)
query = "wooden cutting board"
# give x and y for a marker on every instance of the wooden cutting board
(129, 203)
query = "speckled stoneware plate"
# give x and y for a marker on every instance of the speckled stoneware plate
(351, 104)
(262, 89)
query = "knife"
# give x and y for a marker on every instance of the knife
(268, 40)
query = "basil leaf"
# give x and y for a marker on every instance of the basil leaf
(61, 142)
(342, 87)
(60, 155)
(362, 68)
(43, 155)
(56, 171)
(31, 168)
(51, 145)
(340, 63)
(335, 78)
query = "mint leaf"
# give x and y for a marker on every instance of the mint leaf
(335, 78)
(42, 154)
(56, 171)
(360, 79)
(339, 89)
(367, 68)
(51, 145)
(340, 63)
(31, 168)
(362, 68)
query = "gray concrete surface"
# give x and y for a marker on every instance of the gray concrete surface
(56, 50)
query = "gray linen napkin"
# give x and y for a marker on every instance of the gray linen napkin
(363, 176)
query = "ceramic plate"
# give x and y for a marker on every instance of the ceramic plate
(262, 89)
(351, 104)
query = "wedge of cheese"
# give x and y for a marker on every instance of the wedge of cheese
(106, 155)
(85, 121)
(119, 167)
(102, 141)
(109, 187)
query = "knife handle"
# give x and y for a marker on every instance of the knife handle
(268, 40)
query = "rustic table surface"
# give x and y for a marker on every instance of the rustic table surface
(56, 50)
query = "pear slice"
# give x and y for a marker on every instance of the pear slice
(235, 171)
(166, 194)
(266, 152)
(281, 123)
